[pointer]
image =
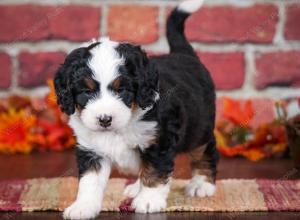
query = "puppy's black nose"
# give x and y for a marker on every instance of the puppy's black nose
(105, 121)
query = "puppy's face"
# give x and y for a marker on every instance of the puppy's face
(105, 84)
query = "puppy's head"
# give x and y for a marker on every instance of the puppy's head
(105, 84)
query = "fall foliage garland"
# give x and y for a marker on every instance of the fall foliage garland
(28, 124)
(33, 124)
(235, 136)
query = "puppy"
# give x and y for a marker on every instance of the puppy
(136, 114)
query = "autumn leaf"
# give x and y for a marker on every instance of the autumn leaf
(236, 137)
(15, 132)
(28, 124)
(236, 113)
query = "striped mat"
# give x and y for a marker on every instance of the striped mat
(232, 195)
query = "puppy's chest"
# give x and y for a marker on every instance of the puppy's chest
(122, 146)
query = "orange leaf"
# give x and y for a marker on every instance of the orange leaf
(51, 97)
(239, 115)
(253, 155)
(15, 131)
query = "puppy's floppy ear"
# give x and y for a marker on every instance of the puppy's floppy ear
(66, 76)
(147, 82)
(63, 89)
(143, 72)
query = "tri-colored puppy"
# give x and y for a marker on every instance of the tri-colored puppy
(137, 113)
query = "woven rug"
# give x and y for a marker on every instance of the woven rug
(231, 195)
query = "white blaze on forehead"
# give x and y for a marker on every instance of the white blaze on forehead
(105, 61)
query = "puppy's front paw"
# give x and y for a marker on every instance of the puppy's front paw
(132, 190)
(200, 187)
(148, 204)
(82, 210)
(151, 199)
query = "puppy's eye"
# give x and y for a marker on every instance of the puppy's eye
(86, 91)
(121, 89)
(127, 97)
(82, 99)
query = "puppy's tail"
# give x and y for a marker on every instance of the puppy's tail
(175, 26)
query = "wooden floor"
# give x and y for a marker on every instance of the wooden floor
(63, 164)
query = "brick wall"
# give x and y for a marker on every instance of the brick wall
(252, 47)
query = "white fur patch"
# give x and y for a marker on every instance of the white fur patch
(106, 104)
(151, 199)
(105, 61)
(90, 194)
(190, 6)
(132, 190)
(198, 186)
(119, 146)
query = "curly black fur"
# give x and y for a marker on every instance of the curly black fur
(70, 77)
(87, 160)
(185, 111)
(139, 77)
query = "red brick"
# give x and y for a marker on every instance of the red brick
(233, 24)
(33, 22)
(227, 69)
(75, 23)
(134, 23)
(263, 110)
(23, 22)
(292, 28)
(280, 68)
(36, 68)
(5, 71)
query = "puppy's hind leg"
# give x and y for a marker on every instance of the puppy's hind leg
(203, 162)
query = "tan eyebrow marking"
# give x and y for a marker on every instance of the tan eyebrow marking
(116, 83)
(90, 83)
